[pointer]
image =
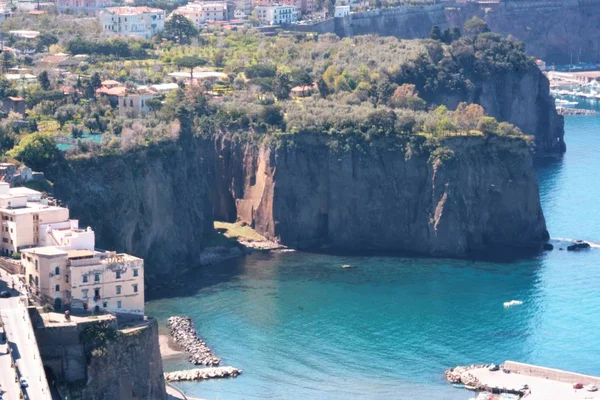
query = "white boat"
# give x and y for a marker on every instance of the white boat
(565, 103)
(512, 303)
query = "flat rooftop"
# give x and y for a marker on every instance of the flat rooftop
(80, 254)
(32, 206)
(50, 251)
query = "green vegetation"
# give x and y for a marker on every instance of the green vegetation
(356, 89)
(96, 337)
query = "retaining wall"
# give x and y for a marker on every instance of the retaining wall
(550, 373)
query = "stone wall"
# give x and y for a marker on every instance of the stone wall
(550, 373)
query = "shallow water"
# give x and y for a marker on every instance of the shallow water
(300, 326)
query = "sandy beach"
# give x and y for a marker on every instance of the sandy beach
(167, 348)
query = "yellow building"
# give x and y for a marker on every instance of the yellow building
(86, 279)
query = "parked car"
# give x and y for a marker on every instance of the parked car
(5, 294)
(591, 388)
(578, 385)
(493, 367)
(24, 383)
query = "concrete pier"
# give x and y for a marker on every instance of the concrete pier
(544, 383)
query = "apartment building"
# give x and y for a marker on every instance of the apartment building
(202, 12)
(82, 6)
(143, 22)
(23, 213)
(70, 272)
(276, 14)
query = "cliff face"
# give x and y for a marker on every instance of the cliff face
(154, 203)
(307, 196)
(522, 99)
(131, 369)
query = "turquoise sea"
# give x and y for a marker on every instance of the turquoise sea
(301, 327)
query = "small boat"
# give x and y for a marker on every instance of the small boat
(512, 303)
(469, 387)
(459, 385)
(346, 266)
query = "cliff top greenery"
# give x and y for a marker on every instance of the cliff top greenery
(365, 87)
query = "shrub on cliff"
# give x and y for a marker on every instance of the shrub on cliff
(37, 150)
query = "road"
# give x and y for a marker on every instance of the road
(21, 340)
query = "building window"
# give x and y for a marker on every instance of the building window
(67, 278)
(57, 271)
(37, 281)
(118, 289)
(135, 272)
(124, 102)
(105, 304)
(97, 293)
(85, 279)
(57, 288)
(96, 277)
(119, 304)
(84, 293)
(135, 288)
(130, 103)
(118, 274)
(5, 240)
(36, 265)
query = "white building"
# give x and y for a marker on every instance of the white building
(143, 22)
(342, 11)
(24, 214)
(202, 12)
(276, 14)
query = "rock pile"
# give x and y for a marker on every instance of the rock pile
(462, 375)
(201, 374)
(575, 111)
(578, 245)
(184, 334)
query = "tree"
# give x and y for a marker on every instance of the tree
(218, 59)
(282, 85)
(455, 33)
(435, 33)
(476, 26)
(154, 104)
(272, 115)
(488, 125)
(44, 80)
(95, 81)
(8, 60)
(45, 40)
(323, 88)
(191, 62)
(181, 29)
(467, 116)
(37, 150)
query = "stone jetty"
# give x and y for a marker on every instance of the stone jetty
(461, 375)
(575, 111)
(199, 374)
(184, 334)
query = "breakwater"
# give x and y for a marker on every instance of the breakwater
(199, 374)
(184, 334)
(575, 111)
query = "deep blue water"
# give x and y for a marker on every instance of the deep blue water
(301, 327)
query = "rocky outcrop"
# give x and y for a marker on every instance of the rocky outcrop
(154, 203)
(184, 334)
(472, 194)
(524, 100)
(202, 374)
(131, 368)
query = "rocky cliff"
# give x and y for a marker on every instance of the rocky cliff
(154, 203)
(522, 99)
(469, 195)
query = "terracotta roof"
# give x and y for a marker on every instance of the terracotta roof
(116, 91)
(110, 82)
(36, 12)
(54, 59)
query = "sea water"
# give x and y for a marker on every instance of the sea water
(301, 327)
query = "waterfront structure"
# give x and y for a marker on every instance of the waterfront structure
(342, 11)
(68, 271)
(82, 6)
(202, 12)
(23, 213)
(276, 14)
(143, 22)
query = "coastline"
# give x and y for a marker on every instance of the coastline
(168, 348)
